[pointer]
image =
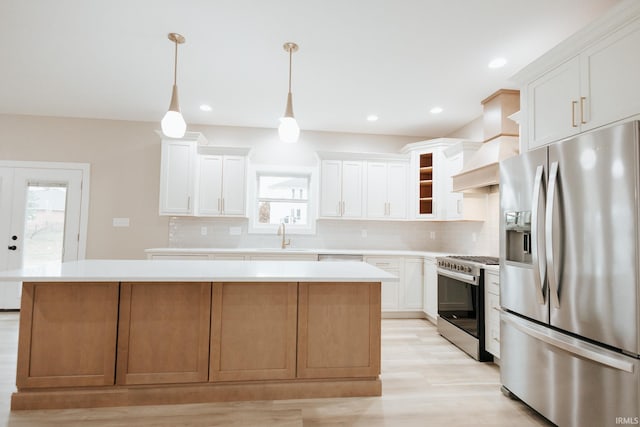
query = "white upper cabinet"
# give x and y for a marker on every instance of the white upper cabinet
(554, 104)
(221, 185)
(387, 190)
(590, 80)
(341, 189)
(352, 189)
(612, 77)
(430, 193)
(177, 177)
(208, 184)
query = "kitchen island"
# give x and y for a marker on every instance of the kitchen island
(116, 333)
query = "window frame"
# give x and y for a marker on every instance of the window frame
(255, 171)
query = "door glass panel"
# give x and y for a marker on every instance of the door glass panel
(44, 224)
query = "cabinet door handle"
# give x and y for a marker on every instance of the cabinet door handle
(223, 205)
(582, 99)
(574, 104)
(219, 205)
(344, 208)
(189, 203)
(389, 208)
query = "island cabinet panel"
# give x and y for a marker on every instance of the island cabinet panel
(253, 331)
(67, 335)
(338, 330)
(163, 333)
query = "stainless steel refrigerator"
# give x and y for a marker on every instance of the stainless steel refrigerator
(569, 278)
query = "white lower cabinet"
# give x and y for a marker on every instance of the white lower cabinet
(404, 295)
(390, 299)
(492, 312)
(412, 284)
(430, 295)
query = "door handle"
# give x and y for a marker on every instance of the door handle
(582, 99)
(551, 270)
(13, 247)
(574, 104)
(538, 267)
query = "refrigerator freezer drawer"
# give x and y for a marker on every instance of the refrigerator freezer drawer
(570, 382)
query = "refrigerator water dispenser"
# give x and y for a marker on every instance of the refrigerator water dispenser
(518, 238)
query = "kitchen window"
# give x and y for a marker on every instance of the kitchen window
(283, 197)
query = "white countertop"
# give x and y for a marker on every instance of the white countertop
(292, 251)
(208, 271)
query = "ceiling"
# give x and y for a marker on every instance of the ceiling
(395, 59)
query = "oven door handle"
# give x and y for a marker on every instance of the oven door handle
(467, 278)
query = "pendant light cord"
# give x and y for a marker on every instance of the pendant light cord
(175, 65)
(290, 53)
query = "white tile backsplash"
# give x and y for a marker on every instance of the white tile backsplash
(454, 237)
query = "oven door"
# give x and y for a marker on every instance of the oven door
(459, 299)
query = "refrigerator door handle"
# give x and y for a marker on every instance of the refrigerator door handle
(568, 344)
(551, 269)
(538, 266)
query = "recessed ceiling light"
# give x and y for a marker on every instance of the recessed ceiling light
(205, 107)
(372, 118)
(436, 110)
(497, 63)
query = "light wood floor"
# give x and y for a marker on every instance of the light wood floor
(426, 381)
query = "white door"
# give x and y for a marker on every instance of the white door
(210, 185)
(233, 188)
(376, 190)
(176, 177)
(397, 190)
(352, 189)
(553, 102)
(40, 213)
(330, 188)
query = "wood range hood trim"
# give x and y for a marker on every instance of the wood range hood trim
(483, 169)
(501, 141)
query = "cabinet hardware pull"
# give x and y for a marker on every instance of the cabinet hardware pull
(574, 104)
(219, 206)
(582, 99)
(343, 207)
(189, 203)
(388, 208)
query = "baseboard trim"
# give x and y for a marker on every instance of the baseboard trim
(170, 394)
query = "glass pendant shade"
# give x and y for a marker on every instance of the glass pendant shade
(289, 130)
(173, 124)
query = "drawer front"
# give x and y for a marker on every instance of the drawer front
(492, 282)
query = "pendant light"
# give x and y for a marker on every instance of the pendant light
(288, 129)
(173, 124)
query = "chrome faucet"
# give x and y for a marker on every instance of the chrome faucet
(282, 232)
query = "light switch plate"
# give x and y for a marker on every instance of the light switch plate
(363, 233)
(203, 231)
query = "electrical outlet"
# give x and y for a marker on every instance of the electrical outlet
(203, 231)
(120, 222)
(432, 235)
(363, 233)
(474, 237)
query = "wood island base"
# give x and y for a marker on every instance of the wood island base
(98, 344)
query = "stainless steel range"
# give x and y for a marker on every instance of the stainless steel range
(461, 302)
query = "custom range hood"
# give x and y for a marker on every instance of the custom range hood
(500, 142)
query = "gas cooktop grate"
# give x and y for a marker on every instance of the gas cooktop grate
(487, 260)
